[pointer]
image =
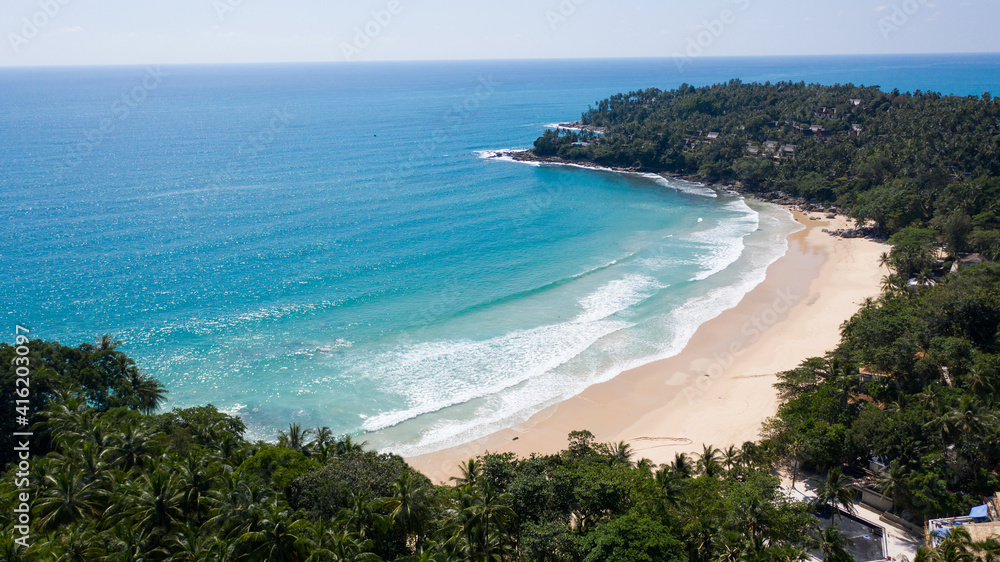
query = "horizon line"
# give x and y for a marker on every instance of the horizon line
(469, 60)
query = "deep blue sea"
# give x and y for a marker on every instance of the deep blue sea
(324, 244)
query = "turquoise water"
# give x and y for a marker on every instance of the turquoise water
(324, 244)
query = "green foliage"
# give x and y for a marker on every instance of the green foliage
(932, 408)
(326, 490)
(276, 465)
(896, 160)
(102, 376)
(632, 538)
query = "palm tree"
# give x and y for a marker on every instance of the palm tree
(669, 487)
(279, 537)
(645, 465)
(347, 445)
(749, 454)
(67, 497)
(471, 471)
(239, 506)
(130, 447)
(107, 343)
(66, 419)
(708, 461)
(486, 515)
(296, 438)
(409, 506)
(621, 452)
(682, 466)
(885, 261)
(127, 544)
(795, 451)
(730, 457)
(155, 503)
(75, 544)
(835, 493)
(892, 481)
(188, 545)
(361, 514)
(195, 481)
(147, 394)
(958, 547)
(833, 544)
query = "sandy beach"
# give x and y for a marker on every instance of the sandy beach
(718, 390)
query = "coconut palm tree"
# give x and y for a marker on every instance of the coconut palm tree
(835, 493)
(885, 261)
(892, 480)
(795, 448)
(621, 452)
(279, 537)
(749, 454)
(155, 504)
(130, 447)
(347, 445)
(708, 461)
(75, 544)
(67, 497)
(485, 517)
(196, 478)
(147, 394)
(682, 466)
(471, 470)
(669, 487)
(833, 544)
(731, 457)
(107, 343)
(409, 506)
(958, 547)
(189, 545)
(296, 439)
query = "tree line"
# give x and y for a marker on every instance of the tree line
(893, 159)
(112, 479)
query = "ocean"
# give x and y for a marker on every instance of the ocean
(327, 245)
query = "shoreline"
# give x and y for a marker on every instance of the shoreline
(718, 389)
(792, 203)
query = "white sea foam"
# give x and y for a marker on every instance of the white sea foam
(725, 241)
(436, 375)
(682, 186)
(547, 383)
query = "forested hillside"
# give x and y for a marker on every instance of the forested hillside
(896, 159)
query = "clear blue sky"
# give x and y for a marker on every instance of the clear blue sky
(223, 31)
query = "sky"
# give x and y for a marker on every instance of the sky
(113, 32)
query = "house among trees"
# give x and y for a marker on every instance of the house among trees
(712, 136)
(982, 523)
